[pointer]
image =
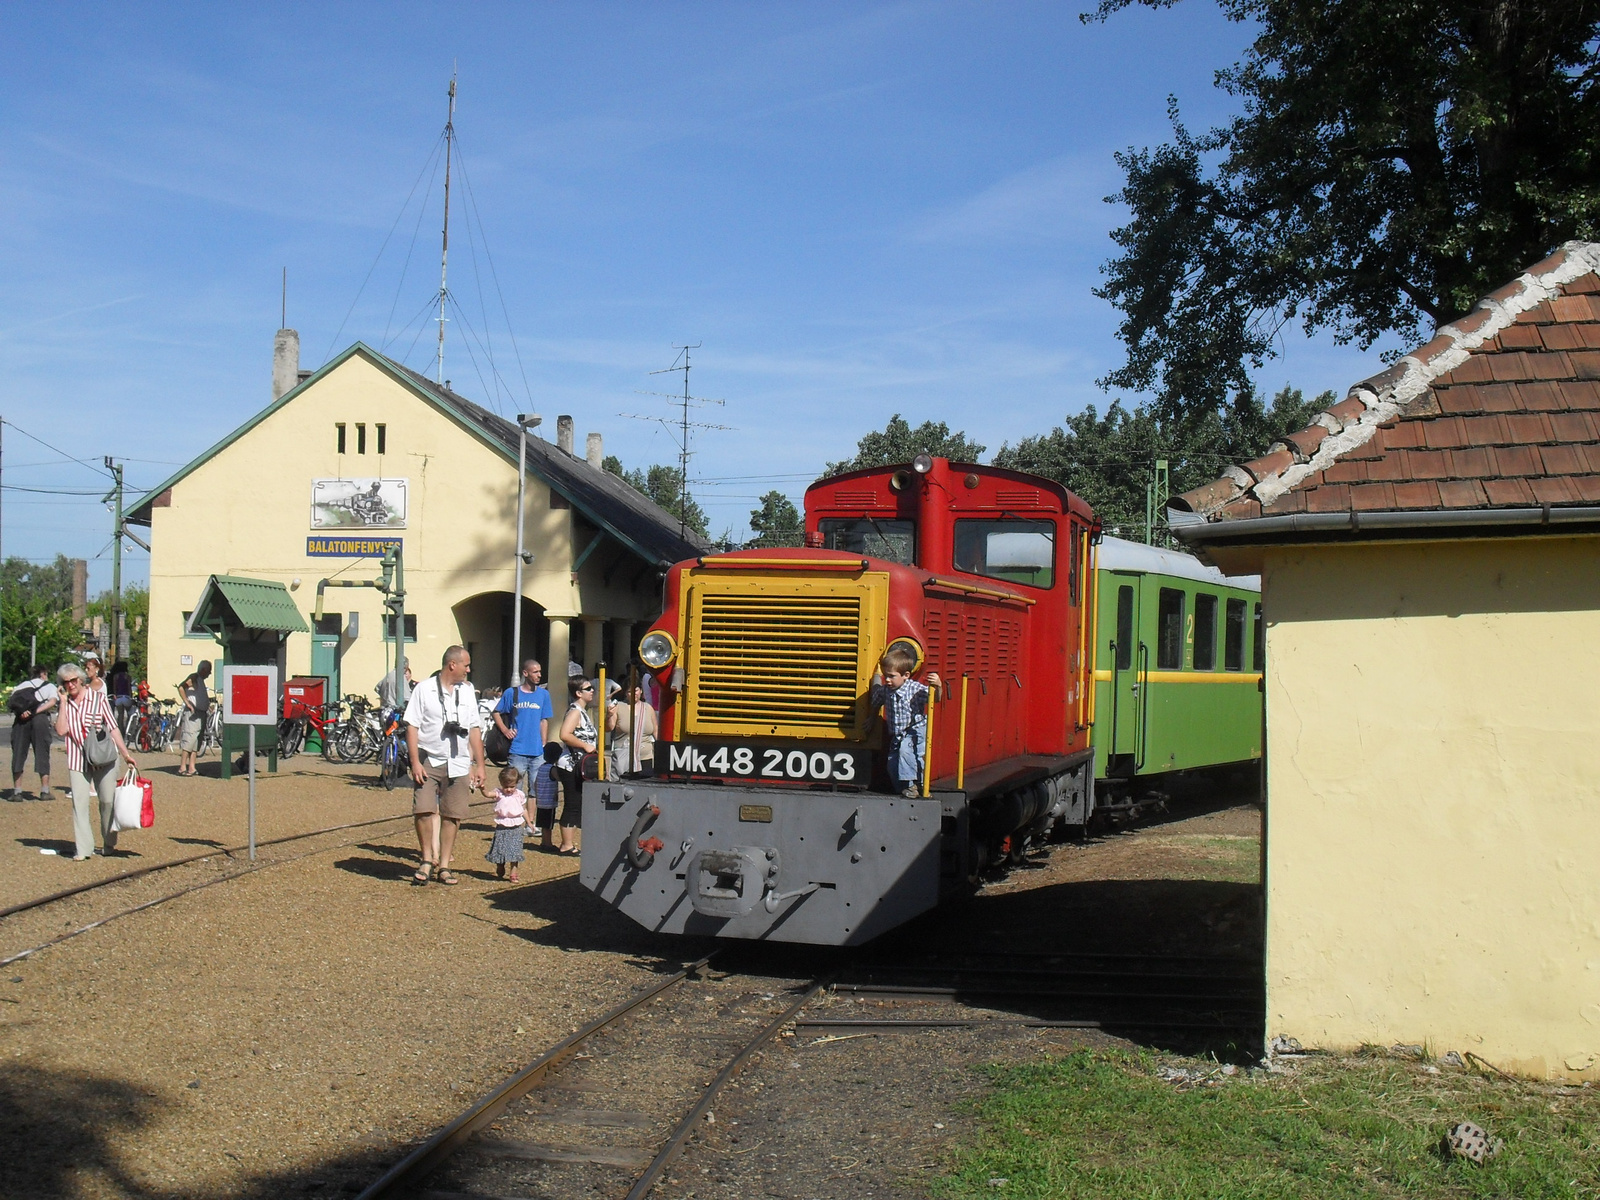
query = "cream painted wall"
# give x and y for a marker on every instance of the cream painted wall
(1433, 818)
(247, 511)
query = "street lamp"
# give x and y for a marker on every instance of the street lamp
(525, 422)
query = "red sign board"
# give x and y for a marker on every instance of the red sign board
(250, 695)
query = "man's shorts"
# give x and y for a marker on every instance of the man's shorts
(450, 798)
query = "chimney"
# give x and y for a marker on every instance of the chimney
(285, 362)
(564, 433)
(594, 451)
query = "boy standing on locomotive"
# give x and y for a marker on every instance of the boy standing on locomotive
(905, 709)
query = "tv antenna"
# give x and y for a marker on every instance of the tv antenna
(679, 428)
(444, 249)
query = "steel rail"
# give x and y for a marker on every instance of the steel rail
(680, 1135)
(228, 851)
(414, 1166)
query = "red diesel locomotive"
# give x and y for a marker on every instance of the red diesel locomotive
(768, 814)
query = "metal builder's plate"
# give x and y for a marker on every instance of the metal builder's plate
(828, 868)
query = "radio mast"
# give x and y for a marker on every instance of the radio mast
(444, 250)
(680, 434)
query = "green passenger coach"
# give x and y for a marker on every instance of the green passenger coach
(1178, 668)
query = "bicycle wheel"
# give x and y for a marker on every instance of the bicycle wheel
(350, 745)
(291, 736)
(392, 763)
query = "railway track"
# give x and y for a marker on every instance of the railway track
(126, 877)
(606, 1110)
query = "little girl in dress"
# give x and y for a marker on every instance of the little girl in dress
(510, 819)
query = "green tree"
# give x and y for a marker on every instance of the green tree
(1108, 460)
(899, 443)
(35, 602)
(135, 619)
(777, 522)
(664, 485)
(1392, 164)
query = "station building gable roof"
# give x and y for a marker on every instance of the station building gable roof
(1500, 411)
(609, 503)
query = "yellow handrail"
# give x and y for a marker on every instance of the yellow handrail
(1083, 623)
(1094, 633)
(927, 747)
(973, 589)
(600, 740)
(961, 746)
(833, 564)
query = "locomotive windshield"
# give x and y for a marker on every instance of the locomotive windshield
(1016, 551)
(895, 541)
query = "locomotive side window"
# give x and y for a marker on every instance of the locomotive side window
(895, 541)
(1258, 655)
(1205, 632)
(1124, 628)
(1016, 551)
(1233, 640)
(1169, 630)
(1072, 562)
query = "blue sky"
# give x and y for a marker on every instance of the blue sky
(857, 209)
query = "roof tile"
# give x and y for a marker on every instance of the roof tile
(1306, 440)
(1487, 430)
(1561, 460)
(1334, 497)
(1528, 427)
(1425, 464)
(1542, 397)
(1587, 487)
(1509, 366)
(1576, 308)
(1471, 323)
(1371, 497)
(1521, 337)
(1441, 344)
(1590, 453)
(1508, 491)
(1270, 464)
(1400, 436)
(1583, 285)
(1416, 495)
(1471, 464)
(1517, 460)
(1242, 509)
(1554, 364)
(1289, 502)
(1558, 490)
(1474, 370)
(1349, 470)
(1347, 410)
(1572, 427)
(1539, 314)
(1462, 493)
(1586, 364)
(1443, 433)
(1584, 394)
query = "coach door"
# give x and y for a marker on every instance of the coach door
(1127, 654)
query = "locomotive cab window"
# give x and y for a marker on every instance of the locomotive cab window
(1169, 630)
(894, 541)
(1124, 628)
(1205, 632)
(1258, 654)
(1233, 639)
(1015, 551)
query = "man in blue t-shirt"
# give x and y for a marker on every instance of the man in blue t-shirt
(530, 711)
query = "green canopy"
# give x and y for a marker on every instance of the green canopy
(234, 604)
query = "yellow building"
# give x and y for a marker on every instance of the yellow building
(364, 454)
(1429, 553)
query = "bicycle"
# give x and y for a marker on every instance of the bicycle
(326, 719)
(394, 757)
(211, 731)
(361, 734)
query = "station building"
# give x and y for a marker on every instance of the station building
(1429, 551)
(364, 454)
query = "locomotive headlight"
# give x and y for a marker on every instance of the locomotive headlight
(657, 650)
(910, 646)
(922, 464)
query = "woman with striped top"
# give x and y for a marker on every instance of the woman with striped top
(85, 710)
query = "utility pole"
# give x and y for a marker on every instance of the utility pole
(115, 493)
(2, 556)
(1155, 501)
(444, 251)
(684, 425)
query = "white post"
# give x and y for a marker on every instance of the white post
(524, 421)
(252, 762)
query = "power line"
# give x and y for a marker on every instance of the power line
(70, 457)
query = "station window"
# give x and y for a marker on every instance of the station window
(411, 627)
(893, 541)
(1015, 551)
(1258, 655)
(1233, 640)
(338, 430)
(1124, 628)
(1169, 630)
(383, 438)
(1205, 632)
(206, 637)
(361, 438)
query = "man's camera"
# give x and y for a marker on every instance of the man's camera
(455, 729)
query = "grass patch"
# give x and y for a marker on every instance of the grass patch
(1233, 858)
(1102, 1124)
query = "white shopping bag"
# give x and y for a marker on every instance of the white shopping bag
(127, 802)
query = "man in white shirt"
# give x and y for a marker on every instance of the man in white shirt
(446, 748)
(31, 729)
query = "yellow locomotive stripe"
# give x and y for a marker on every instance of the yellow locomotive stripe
(1186, 676)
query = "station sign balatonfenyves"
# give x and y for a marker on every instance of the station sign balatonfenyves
(350, 546)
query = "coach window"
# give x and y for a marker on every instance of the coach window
(1015, 551)
(1258, 656)
(894, 541)
(1205, 632)
(1233, 640)
(1169, 630)
(1124, 628)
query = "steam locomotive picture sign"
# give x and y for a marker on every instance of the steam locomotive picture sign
(835, 766)
(358, 503)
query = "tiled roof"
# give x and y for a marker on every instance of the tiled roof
(1500, 410)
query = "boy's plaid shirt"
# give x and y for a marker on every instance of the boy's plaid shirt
(907, 706)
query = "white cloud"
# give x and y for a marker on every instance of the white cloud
(1052, 201)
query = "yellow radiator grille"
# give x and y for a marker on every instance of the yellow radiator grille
(780, 655)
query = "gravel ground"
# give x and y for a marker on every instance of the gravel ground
(292, 1030)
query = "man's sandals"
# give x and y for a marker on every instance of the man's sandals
(445, 876)
(423, 873)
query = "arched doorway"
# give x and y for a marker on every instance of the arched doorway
(484, 625)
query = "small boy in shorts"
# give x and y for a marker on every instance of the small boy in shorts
(905, 711)
(546, 790)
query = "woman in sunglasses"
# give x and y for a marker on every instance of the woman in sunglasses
(578, 737)
(84, 712)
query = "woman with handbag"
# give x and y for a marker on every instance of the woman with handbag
(578, 738)
(93, 747)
